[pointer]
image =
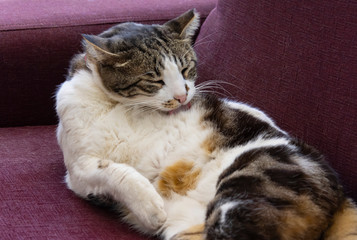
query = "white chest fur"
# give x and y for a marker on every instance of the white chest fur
(148, 141)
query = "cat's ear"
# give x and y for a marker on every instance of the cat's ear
(95, 47)
(185, 25)
(96, 50)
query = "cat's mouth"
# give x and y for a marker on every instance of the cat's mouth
(180, 109)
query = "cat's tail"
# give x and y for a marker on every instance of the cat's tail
(344, 223)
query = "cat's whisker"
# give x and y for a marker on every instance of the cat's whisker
(202, 39)
(209, 84)
(200, 43)
(143, 106)
(218, 83)
(213, 92)
(195, 45)
(215, 84)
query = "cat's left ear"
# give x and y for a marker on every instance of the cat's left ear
(95, 47)
(185, 25)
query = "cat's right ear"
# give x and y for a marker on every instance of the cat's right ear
(95, 48)
(185, 25)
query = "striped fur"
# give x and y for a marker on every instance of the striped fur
(130, 57)
(284, 191)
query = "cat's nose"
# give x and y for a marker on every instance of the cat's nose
(180, 98)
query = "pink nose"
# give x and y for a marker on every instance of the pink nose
(181, 98)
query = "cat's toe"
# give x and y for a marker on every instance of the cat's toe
(153, 215)
(193, 233)
(188, 237)
(159, 219)
(155, 221)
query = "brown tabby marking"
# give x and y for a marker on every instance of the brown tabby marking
(193, 233)
(209, 144)
(187, 88)
(344, 225)
(179, 177)
(302, 219)
(171, 104)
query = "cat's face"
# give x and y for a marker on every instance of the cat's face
(146, 65)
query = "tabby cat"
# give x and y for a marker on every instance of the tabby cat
(136, 132)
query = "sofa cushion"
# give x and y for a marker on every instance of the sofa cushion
(39, 37)
(34, 200)
(296, 60)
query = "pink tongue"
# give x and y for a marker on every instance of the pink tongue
(182, 108)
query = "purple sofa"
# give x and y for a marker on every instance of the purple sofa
(295, 59)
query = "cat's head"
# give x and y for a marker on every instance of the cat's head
(149, 65)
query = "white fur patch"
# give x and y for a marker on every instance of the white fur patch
(175, 82)
(225, 208)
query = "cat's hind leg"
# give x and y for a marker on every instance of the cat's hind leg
(91, 176)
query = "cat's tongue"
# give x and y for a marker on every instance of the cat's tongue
(182, 108)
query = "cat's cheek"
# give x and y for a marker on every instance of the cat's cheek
(191, 90)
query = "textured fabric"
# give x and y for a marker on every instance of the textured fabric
(39, 37)
(34, 201)
(19, 14)
(296, 60)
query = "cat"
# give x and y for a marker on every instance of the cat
(178, 162)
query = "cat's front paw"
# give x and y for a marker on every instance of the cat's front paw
(152, 214)
(194, 233)
(148, 206)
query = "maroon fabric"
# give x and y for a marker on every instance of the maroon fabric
(296, 60)
(39, 37)
(34, 201)
(30, 14)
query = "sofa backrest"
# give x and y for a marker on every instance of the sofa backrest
(297, 61)
(39, 37)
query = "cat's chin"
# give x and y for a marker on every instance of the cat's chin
(179, 109)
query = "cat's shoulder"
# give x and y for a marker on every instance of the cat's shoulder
(80, 96)
(77, 64)
(81, 86)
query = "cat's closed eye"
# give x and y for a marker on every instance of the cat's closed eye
(184, 72)
(153, 78)
(161, 82)
(150, 75)
(156, 82)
